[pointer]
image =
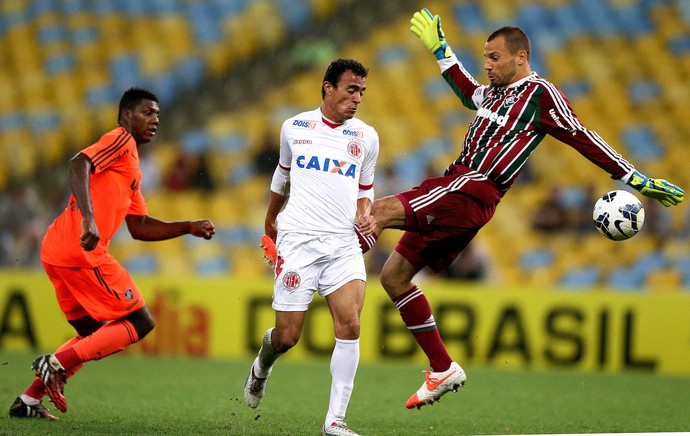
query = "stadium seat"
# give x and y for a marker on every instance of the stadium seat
(584, 277)
(626, 279)
(624, 65)
(142, 263)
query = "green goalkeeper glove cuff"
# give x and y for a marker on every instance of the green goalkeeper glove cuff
(427, 27)
(667, 193)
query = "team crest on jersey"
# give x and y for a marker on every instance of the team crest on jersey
(291, 280)
(354, 147)
(129, 294)
(509, 100)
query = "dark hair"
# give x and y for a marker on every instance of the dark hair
(515, 38)
(132, 97)
(338, 67)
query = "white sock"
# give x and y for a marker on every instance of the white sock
(263, 364)
(344, 362)
(29, 401)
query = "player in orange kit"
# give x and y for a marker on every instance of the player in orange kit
(97, 295)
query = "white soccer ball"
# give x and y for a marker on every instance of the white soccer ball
(618, 215)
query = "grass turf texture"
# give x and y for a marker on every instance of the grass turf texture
(126, 394)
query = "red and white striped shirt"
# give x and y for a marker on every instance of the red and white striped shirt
(512, 120)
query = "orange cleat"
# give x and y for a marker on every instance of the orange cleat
(270, 251)
(436, 385)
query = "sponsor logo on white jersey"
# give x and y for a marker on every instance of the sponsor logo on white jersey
(353, 133)
(305, 124)
(326, 165)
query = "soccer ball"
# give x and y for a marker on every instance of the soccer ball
(618, 215)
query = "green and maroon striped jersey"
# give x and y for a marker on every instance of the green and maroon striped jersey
(512, 120)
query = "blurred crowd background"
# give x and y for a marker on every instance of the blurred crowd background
(228, 72)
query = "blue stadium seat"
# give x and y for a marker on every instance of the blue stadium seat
(52, 33)
(165, 86)
(643, 91)
(196, 141)
(233, 143)
(470, 17)
(236, 235)
(642, 143)
(568, 22)
(454, 118)
(240, 174)
(59, 63)
(229, 8)
(12, 121)
(626, 279)
(125, 71)
(432, 147)
(580, 277)
(534, 19)
(469, 62)
(83, 35)
(213, 265)
(409, 169)
(650, 262)
(99, 95)
(536, 258)
(189, 72)
(632, 20)
(392, 54)
(597, 17)
(39, 7)
(166, 7)
(143, 263)
(45, 120)
(205, 24)
(680, 45)
(295, 13)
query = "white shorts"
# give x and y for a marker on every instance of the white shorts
(310, 263)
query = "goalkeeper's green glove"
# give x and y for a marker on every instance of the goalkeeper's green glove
(667, 193)
(427, 27)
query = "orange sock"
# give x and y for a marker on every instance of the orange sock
(109, 339)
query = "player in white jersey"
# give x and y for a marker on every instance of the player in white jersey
(323, 182)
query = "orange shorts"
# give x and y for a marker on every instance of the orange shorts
(106, 292)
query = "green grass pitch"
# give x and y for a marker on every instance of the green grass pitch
(132, 395)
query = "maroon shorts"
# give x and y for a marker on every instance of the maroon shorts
(443, 214)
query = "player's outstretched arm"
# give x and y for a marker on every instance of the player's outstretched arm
(659, 189)
(427, 27)
(146, 228)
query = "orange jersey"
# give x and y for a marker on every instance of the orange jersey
(115, 192)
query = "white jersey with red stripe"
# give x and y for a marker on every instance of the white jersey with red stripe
(329, 167)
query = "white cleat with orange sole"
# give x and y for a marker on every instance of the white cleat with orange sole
(436, 385)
